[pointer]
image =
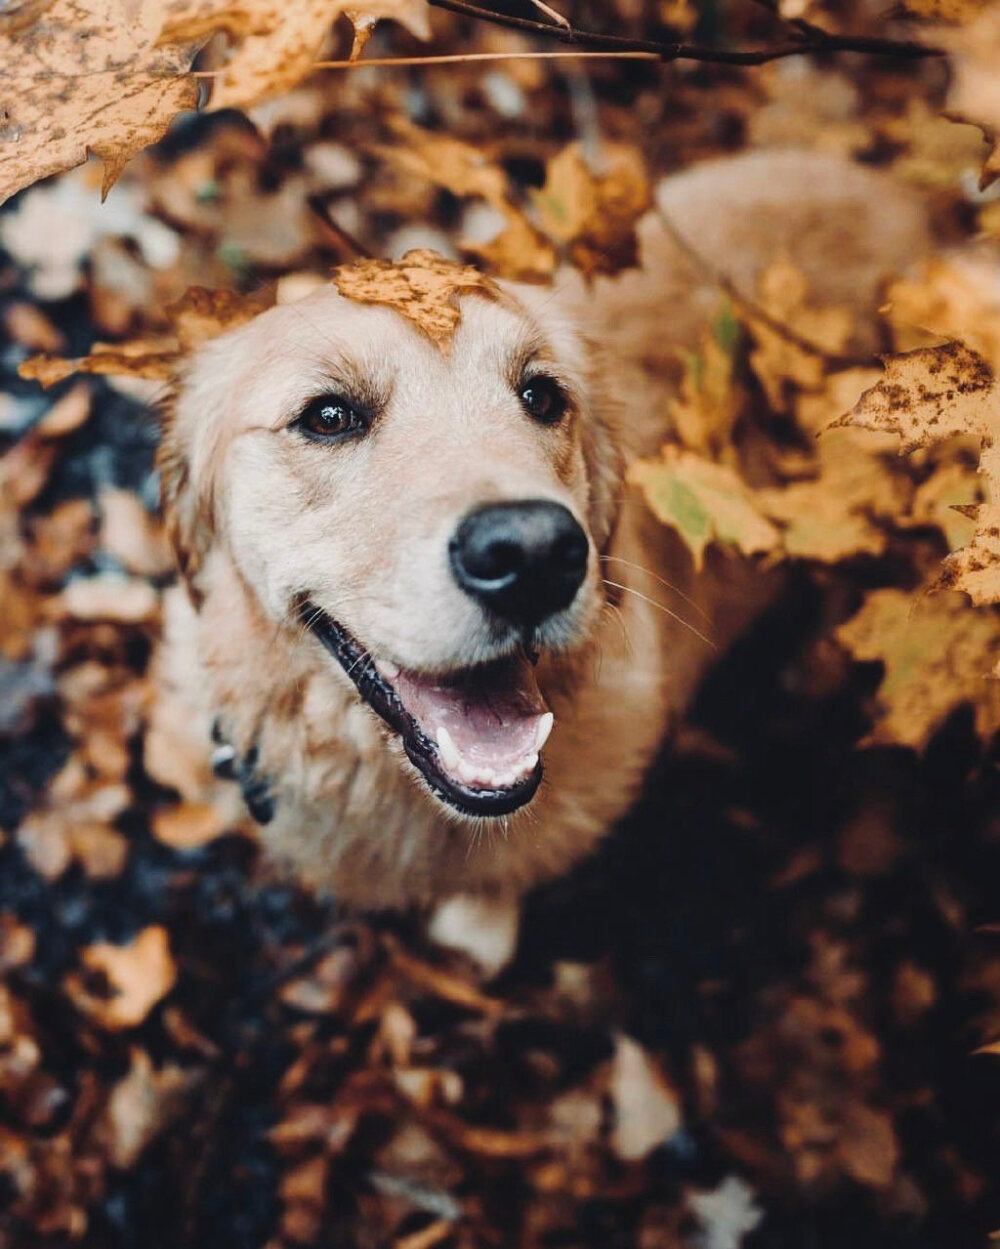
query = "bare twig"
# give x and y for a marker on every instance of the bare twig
(455, 58)
(808, 39)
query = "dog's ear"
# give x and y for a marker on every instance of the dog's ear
(186, 504)
(602, 449)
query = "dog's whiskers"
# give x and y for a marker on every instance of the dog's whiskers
(617, 559)
(626, 589)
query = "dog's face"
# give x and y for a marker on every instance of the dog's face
(433, 517)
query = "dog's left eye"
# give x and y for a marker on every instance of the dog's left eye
(331, 417)
(543, 398)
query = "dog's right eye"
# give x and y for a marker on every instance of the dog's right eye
(331, 417)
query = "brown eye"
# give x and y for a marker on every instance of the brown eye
(543, 398)
(332, 417)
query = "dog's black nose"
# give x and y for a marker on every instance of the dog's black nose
(524, 561)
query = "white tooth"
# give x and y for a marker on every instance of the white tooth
(466, 772)
(529, 765)
(544, 729)
(389, 670)
(448, 751)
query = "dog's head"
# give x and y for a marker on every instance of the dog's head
(434, 517)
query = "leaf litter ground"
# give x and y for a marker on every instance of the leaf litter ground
(751, 1020)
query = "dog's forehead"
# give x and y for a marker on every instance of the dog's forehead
(327, 323)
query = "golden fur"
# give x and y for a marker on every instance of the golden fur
(259, 519)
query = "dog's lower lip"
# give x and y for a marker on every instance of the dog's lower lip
(373, 681)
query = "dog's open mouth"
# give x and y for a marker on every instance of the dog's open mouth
(474, 735)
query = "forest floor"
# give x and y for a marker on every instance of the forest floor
(751, 1020)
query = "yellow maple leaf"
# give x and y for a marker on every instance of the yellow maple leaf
(837, 514)
(937, 653)
(593, 209)
(705, 502)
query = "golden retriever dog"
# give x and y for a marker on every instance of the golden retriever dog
(437, 639)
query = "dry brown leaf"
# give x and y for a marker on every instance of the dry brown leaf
(276, 44)
(151, 359)
(90, 80)
(107, 597)
(189, 825)
(647, 1108)
(199, 314)
(423, 287)
(778, 359)
(943, 500)
(709, 401)
(141, 1105)
(937, 654)
(593, 210)
(519, 252)
(131, 535)
(975, 567)
(705, 502)
(138, 974)
(111, 81)
(957, 298)
(835, 516)
(946, 10)
(930, 394)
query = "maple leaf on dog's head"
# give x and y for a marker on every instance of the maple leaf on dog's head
(930, 394)
(423, 286)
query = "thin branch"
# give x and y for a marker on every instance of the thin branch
(810, 39)
(454, 58)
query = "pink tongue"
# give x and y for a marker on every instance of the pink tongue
(491, 713)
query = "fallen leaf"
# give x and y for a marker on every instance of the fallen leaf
(188, 825)
(705, 502)
(837, 514)
(423, 287)
(646, 1107)
(138, 974)
(141, 1105)
(937, 652)
(593, 207)
(108, 596)
(778, 358)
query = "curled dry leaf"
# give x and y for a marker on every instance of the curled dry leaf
(275, 45)
(423, 287)
(705, 502)
(930, 394)
(200, 314)
(138, 975)
(937, 653)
